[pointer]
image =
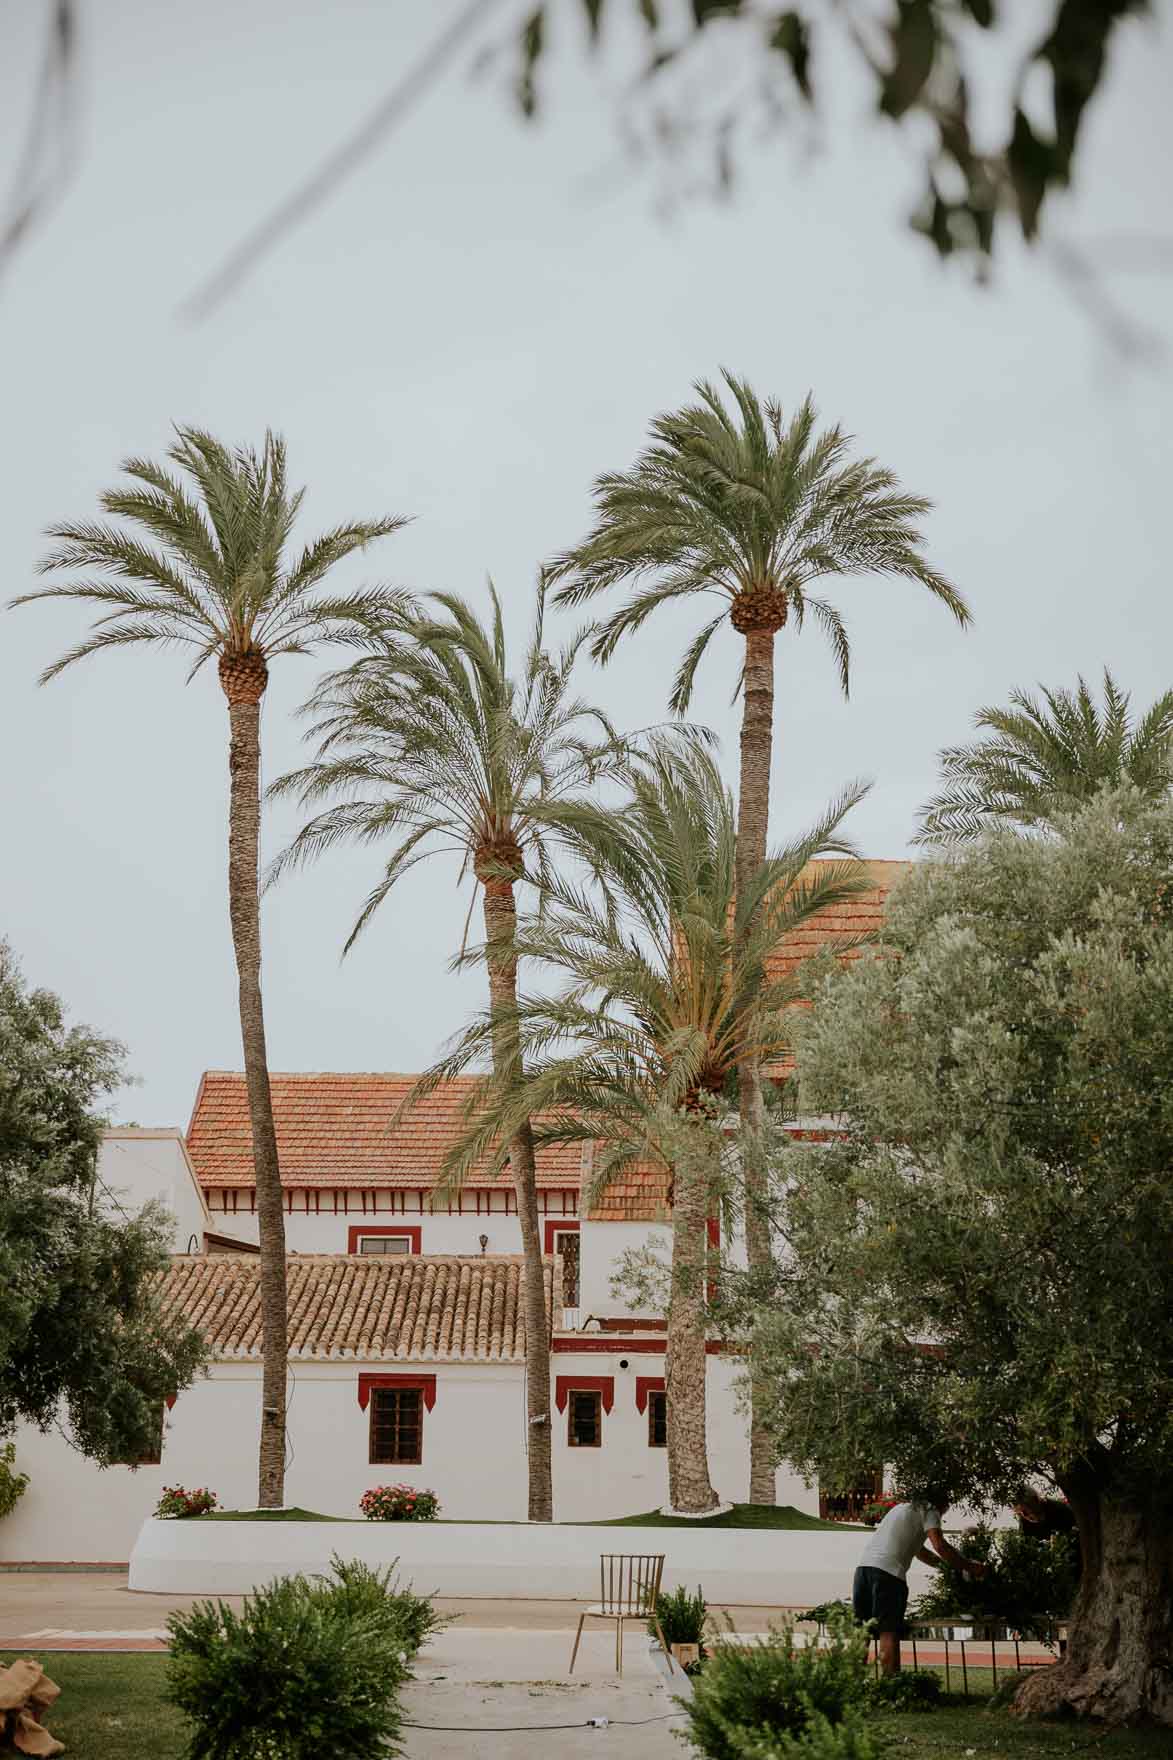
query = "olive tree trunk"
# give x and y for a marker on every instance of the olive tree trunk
(753, 815)
(244, 817)
(1119, 1663)
(500, 931)
(689, 1487)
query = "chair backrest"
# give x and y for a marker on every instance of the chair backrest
(630, 1582)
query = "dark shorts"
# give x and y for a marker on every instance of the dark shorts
(879, 1599)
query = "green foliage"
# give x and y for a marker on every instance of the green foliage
(682, 1616)
(828, 1610)
(1029, 1583)
(1046, 758)
(80, 1323)
(1004, 1188)
(12, 1483)
(820, 1739)
(925, 71)
(431, 744)
(308, 1667)
(660, 975)
(773, 1688)
(912, 1689)
(740, 502)
(199, 560)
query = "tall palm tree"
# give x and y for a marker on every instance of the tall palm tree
(751, 509)
(1046, 756)
(202, 564)
(434, 746)
(657, 1011)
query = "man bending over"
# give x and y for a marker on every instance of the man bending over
(879, 1594)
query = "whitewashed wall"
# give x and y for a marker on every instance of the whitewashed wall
(138, 1165)
(627, 1477)
(474, 1443)
(439, 1233)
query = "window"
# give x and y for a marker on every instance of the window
(586, 1419)
(395, 1239)
(397, 1426)
(566, 1243)
(848, 1506)
(657, 1420)
(384, 1243)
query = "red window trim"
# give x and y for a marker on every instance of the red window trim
(558, 1225)
(645, 1384)
(564, 1385)
(425, 1383)
(414, 1235)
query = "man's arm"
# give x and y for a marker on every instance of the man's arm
(926, 1557)
(950, 1555)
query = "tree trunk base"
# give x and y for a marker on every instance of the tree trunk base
(1106, 1695)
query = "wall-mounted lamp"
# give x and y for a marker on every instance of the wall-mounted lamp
(484, 1240)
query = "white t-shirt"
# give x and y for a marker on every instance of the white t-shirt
(900, 1537)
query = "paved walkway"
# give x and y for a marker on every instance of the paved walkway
(88, 1610)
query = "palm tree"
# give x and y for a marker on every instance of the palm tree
(435, 747)
(753, 510)
(202, 565)
(657, 1012)
(1043, 757)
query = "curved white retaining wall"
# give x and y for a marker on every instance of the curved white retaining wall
(476, 1560)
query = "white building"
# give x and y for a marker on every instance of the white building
(406, 1346)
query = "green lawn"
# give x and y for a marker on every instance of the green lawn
(742, 1515)
(958, 1730)
(112, 1708)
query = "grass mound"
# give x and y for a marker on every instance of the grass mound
(742, 1515)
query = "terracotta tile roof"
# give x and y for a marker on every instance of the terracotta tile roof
(640, 1194)
(428, 1309)
(335, 1130)
(858, 916)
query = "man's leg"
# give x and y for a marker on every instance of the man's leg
(889, 1643)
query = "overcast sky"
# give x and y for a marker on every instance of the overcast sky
(485, 317)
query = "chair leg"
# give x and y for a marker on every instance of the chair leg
(619, 1645)
(663, 1643)
(577, 1641)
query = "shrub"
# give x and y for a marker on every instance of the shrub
(1028, 1583)
(359, 1591)
(775, 1687)
(828, 1610)
(175, 1501)
(682, 1617)
(399, 1503)
(874, 1513)
(12, 1483)
(912, 1689)
(309, 1667)
(820, 1740)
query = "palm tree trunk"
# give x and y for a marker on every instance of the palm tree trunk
(690, 1489)
(500, 930)
(753, 816)
(244, 821)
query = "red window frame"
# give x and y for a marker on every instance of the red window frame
(604, 1385)
(584, 1393)
(396, 1460)
(412, 1233)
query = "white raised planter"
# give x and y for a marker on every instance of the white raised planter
(747, 1566)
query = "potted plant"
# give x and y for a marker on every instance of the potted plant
(682, 1619)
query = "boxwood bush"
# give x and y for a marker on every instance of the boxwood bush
(776, 1687)
(311, 1666)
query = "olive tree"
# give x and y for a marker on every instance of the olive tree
(975, 1284)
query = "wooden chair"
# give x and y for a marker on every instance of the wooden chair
(629, 1585)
